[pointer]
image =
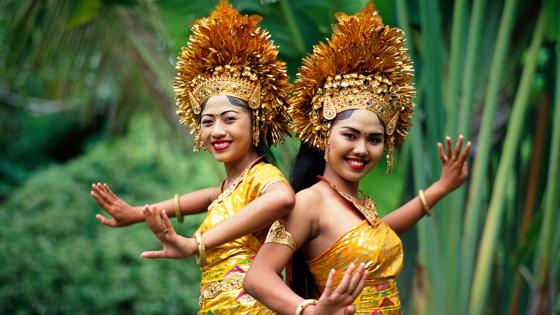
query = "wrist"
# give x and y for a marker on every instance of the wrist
(306, 307)
(138, 214)
(437, 190)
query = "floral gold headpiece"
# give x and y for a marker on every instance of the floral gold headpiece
(364, 65)
(228, 54)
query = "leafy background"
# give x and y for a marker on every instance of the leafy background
(86, 95)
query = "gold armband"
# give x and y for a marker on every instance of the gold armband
(279, 235)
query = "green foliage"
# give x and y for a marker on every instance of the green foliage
(57, 258)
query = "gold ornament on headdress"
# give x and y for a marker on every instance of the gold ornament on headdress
(364, 65)
(228, 54)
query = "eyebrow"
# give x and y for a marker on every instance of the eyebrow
(222, 113)
(358, 131)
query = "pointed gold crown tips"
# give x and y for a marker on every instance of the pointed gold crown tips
(364, 65)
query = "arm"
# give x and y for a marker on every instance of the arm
(274, 203)
(454, 172)
(263, 281)
(123, 214)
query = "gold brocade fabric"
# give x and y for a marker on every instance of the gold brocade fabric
(221, 288)
(380, 249)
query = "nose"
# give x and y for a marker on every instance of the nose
(218, 130)
(360, 149)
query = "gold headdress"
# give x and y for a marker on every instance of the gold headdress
(364, 65)
(228, 54)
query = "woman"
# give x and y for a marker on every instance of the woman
(352, 104)
(233, 98)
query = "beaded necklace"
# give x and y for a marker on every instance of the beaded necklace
(367, 209)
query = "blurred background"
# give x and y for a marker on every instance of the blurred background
(86, 95)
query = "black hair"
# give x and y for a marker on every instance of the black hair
(308, 164)
(263, 149)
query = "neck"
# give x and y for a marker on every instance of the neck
(235, 168)
(351, 188)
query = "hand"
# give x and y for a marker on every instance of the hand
(339, 301)
(120, 212)
(174, 245)
(454, 169)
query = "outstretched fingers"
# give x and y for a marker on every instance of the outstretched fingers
(109, 191)
(329, 286)
(465, 154)
(449, 150)
(458, 147)
(441, 153)
(346, 279)
(356, 279)
(106, 221)
(154, 254)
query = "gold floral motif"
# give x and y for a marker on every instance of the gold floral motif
(233, 281)
(279, 235)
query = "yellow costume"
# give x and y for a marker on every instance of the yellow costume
(364, 65)
(381, 251)
(221, 289)
(229, 54)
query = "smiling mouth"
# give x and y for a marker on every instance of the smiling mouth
(356, 164)
(220, 145)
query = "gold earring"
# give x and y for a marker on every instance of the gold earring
(390, 151)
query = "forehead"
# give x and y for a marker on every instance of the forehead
(362, 120)
(218, 104)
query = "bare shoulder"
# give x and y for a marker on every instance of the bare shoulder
(308, 202)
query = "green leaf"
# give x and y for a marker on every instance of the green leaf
(83, 12)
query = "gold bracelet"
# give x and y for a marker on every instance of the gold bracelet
(304, 304)
(201, 257)
(424, 202)
(177, 207)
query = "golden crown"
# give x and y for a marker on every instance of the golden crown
(364, 65)
(228, 54)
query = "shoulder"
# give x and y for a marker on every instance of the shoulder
(309, 201)
(264, 170)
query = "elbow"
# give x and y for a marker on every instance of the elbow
(289, 203)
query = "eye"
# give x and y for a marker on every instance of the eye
(206, 122)
(376, 140)
(349, 135)
(230, 119)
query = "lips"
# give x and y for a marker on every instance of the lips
(356, 163)
(220, 145)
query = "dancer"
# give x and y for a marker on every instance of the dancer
(231, 92)
(352, 105)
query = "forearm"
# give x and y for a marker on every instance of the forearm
(263, 281)
(257, 215)
(405, 217)
(268, 287)
(189, 203)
